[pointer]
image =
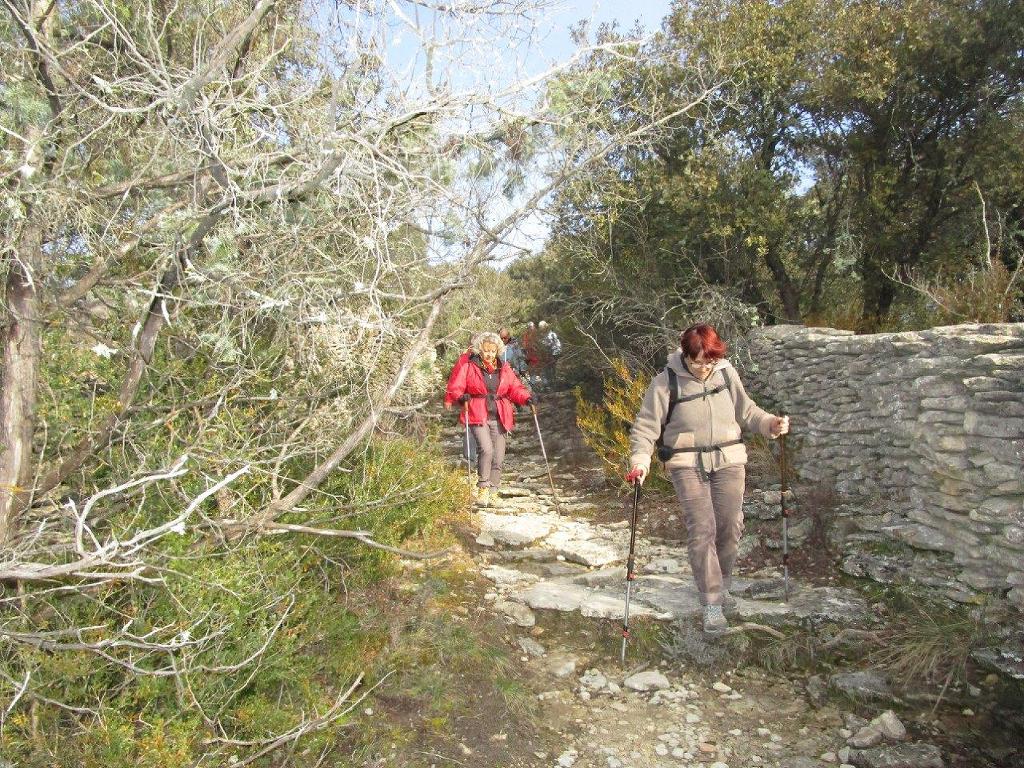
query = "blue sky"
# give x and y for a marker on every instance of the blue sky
(556, 45)
(648, 13)
(488, 50)
(499, 55)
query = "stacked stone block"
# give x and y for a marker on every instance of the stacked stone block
(931, 421)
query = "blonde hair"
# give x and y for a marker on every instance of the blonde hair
(488, 338)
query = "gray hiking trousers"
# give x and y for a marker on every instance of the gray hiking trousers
(713, 511)
(490, 441)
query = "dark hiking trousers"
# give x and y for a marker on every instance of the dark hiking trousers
(490, 442)
(713, 511)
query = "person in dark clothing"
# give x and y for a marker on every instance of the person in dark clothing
(513, 354)
(552, 348)
(487, 388)
(531, 353)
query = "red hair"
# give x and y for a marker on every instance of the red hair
(702, 338)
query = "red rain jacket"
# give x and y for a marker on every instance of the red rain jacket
(467, 378)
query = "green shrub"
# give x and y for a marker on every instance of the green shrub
(605, 425)
(302, 593)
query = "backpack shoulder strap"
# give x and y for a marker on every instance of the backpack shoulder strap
(673, 395)
(728, 380)
(673, 400)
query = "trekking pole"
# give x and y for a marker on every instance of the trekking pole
(469, 460)
(785, 517)
(547, 464)
(630, 575)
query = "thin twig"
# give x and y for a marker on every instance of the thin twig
(753, 627)
(363, 537)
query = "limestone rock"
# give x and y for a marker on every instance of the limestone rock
(890, 726)
(590, 553)
(558, 597)
(868, 736)
(861, 685)
(561, 666)
(1008, 661)
(885, 569)
(923, 537)
(898, 756)
(515, 531)
(531, 647)
(853, 722)
(817, 690)
(517, 613)
(929, 431)
(507, 576)
(593, 680)
(663, 565)
(514, 491)
(651, 680)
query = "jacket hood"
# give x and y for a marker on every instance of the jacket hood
(488, 338)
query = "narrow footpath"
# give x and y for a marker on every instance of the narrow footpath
(556, 563)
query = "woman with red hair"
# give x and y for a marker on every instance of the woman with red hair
(697, 433)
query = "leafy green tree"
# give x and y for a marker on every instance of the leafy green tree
(855, 163)
(921, 103)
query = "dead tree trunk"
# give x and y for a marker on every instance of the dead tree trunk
(20, 335)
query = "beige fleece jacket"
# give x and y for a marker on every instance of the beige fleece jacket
(707, 420)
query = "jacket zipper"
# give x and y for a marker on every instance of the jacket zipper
(711, 419)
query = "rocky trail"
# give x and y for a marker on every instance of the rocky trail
(555, 569)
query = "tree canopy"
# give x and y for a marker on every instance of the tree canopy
(859, 165)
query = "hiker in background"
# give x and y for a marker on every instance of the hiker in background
(491, 388)
(552, 347)
(532, 352)
(697, 433)
(513, 354)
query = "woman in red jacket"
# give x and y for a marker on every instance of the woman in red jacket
(487, 388)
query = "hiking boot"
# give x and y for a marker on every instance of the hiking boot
(714, 620)
(484, 497)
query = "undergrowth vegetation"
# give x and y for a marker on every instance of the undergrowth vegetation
(918, 643)
(928, 642)
(288, 623)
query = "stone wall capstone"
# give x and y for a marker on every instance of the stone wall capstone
(929, 421)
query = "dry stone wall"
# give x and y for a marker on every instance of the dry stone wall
(929, 423)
